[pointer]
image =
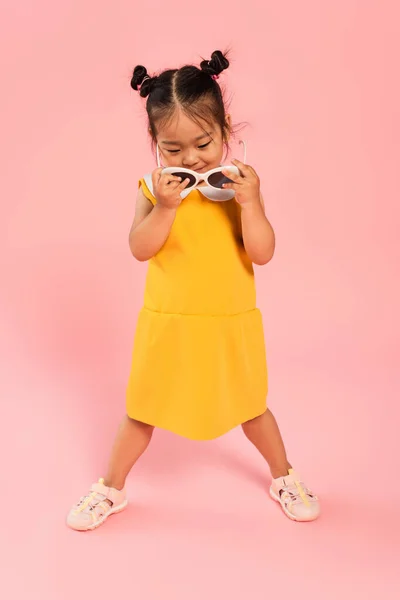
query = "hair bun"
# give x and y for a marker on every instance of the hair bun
(216, 64)
(141, 81)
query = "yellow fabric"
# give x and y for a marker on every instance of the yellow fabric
(198, 364)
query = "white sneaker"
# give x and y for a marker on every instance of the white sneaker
(298, 503)
(92, 510)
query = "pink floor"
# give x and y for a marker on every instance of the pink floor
(317, 82)
(200, 523)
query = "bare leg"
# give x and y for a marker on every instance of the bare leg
(264, 433)
(132, 440)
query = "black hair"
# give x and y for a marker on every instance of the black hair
(195, 90)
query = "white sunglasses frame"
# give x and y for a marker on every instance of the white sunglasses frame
(199, 177)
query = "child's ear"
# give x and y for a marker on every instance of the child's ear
(228, 129)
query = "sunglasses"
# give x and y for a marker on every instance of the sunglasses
(214, 178)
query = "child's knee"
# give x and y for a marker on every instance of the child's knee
(252, 424)
(140, 425)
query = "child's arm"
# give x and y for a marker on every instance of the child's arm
(258, 235)
(152, 224)
(150, 228)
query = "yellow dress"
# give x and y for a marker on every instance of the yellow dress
(199, 365)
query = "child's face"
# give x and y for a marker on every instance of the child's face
(183, 143)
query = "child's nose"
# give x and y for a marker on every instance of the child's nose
(190, 159)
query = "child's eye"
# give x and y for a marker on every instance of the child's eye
(205, 145)
(173, 151)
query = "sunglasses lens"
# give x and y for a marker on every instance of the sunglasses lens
(183, 176)
(217, 180)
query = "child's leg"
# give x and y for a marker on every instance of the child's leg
(264, 433)
(297, 501)
(132, 440)
(108, 496)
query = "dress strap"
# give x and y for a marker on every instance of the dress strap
(147, 187)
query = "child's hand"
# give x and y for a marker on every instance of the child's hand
(167, 189)
(246, 185)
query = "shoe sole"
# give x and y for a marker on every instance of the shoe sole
(275, 497)
(102, 519)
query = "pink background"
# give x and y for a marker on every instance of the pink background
(317, 82)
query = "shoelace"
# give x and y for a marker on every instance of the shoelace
(298, 490)
(90, 501)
